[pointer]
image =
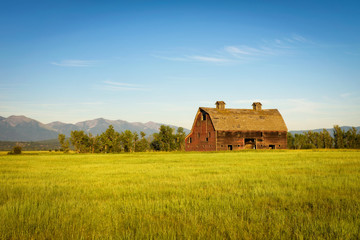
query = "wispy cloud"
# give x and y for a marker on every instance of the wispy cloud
(172, 58)
(209, 59)
(274, 47)
(246, 51)
(120, 86)
(241, 53)
(75, 63)
(299, 38)
(195, 58)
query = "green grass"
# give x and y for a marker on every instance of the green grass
(226, 195)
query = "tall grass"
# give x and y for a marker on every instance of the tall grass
(228, 195)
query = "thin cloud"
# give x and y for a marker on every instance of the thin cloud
(237, 53)
(120, 86)
(299, 38)
(172, 58)
(195, 58)
(75, 63)
(248, 51)
(274, 47)
(208, 59)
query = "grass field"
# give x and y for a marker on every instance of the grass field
(226, 195)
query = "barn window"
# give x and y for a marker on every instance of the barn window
(209, 134)
(261, 134)
(189, 140)
(207, 139)
(203, 116)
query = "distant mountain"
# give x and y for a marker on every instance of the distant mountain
(63, 128)
(21, 128)
(330, 130)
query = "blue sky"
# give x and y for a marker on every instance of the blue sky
(159, 61)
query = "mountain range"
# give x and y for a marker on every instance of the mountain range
(22, 128)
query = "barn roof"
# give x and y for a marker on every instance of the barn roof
(246, 119)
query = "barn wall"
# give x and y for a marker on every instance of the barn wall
(279, 139)
(202, 129)
(237, 140)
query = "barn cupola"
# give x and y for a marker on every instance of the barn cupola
(257, 106)
(220, 105)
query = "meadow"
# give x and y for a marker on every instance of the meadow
(289, 194)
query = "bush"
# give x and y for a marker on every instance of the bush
(15, 150)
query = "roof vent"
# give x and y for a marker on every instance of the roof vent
(220, 105)
(257, 106)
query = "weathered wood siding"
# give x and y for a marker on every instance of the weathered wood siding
(235, 140)
(279, 139)
(203, 137)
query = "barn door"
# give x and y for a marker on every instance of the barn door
(250, 143)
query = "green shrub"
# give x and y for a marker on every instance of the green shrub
(15, 150)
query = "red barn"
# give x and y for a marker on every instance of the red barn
(216, 129)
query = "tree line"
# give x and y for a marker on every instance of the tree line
(112, 141)
(323, 139)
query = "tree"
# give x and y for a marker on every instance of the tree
(180, 139)
(143, 144)
(357, 140)
(301, 142)
(339, 137)
(110, 141)
(328, 140)
(136, 139)
(94, 143)
(64, 144)
(290, 141)
(350, 137)
(310, 140)
(164, 140)
(155, 145)
(127, 141)
(319, 140)
(80, 141)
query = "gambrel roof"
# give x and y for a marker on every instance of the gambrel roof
(245, 119)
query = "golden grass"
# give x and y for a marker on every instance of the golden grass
(231, 195)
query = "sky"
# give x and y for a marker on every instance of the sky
(160, 61)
